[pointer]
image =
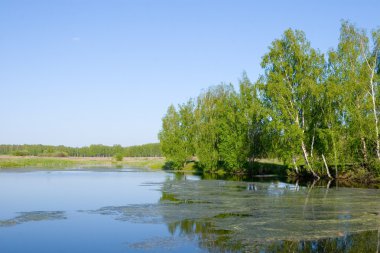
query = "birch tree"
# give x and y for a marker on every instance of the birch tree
(371, 59)
(292, 70)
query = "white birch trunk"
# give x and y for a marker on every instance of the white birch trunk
(364, 150)
(373, 95)
(327, 167)
(295, 165)
(305, 156)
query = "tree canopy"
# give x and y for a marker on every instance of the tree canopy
(313, 111)
(146, 150)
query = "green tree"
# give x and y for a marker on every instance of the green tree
(176, 135)
(211, 126)
(293, 70)
(233, 147)
(349, 75)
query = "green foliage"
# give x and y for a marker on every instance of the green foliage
(211, 114)
(54, 154)
(289, 89)
(20, 152)
(222, 129)
(314, 112)
(176, 136)
(146, 150)
(119, 157)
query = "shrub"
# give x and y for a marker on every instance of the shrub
(20, 152)
(54, 154)
(119, 157)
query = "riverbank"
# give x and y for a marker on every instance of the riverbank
(67, 162)
(262, 168)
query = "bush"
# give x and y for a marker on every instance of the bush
(119, 157)
(54, 154)
(374, 167)
(20, 152)
(60, 154)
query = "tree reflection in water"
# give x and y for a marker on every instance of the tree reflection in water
(280, 218)
(227, 216)
(215, 240)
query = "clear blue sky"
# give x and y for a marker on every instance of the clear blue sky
(80, 72)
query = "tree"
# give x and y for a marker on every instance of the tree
(354, 73)
(211, 125)
(252, 118)
(292, 71)
(176, 135)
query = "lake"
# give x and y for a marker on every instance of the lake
(134, 210)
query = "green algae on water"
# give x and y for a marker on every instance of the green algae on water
(252, 216)
(25, 217)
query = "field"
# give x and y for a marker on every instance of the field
(69, 162)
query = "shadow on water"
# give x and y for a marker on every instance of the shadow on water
(276, 177)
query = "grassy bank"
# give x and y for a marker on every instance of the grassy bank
(261, 167)
(71, 162)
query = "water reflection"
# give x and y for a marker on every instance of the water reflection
(334, 223)
(260, 215)
(231, 216)
(215, 240)
(367, 241)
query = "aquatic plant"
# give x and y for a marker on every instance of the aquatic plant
(254, 216)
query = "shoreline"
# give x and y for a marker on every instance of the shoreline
(8, 162)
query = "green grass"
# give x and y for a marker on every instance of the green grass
(50, 162)
(151, 164)
(269, 161)
(189, 166)
(35, 162)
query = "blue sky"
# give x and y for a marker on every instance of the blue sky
(80, 72)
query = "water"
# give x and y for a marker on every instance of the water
(128, 210)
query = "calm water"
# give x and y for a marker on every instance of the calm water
(127, 210)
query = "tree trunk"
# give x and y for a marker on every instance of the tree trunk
(303, 147)
(308, 165)
(335, 158)
(327, 167)
(373, 95)
(364, 150)
(295, 165)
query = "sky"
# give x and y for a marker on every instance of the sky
(81, 72)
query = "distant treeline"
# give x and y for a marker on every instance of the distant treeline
(146, 150)
(319, 113)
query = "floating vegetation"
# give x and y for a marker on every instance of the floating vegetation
(144, 213)
(163, 243)
(24, 217)
(350, 243)
(238, 216)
